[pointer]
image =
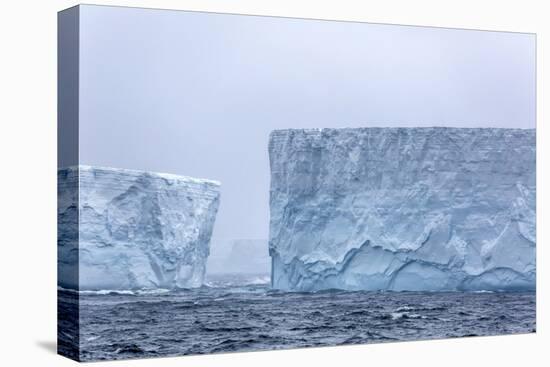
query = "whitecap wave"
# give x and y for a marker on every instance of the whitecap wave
(260, 280)
(397, 315)
(102, 292)
(405, 315)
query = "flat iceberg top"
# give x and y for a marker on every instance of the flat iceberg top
(416, 130)
(403, 208)
(133, 172)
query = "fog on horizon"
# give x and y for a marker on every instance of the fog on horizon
(197, 94)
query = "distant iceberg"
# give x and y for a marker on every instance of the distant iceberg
(239, 256)
(123, 229)
(403, 209)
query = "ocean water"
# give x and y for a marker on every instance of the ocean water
(243, 314)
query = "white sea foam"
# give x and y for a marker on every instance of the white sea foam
(102, 292)
(261, 280)
(397, 315)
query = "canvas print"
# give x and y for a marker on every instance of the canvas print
(231, 183)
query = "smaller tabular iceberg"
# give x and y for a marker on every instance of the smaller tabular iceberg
(126, 229)
(403, 209)
(239, 256)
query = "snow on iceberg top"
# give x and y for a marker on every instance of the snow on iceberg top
(417, 130)
(134, 172)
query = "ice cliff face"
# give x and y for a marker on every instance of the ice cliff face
(403, 209)
(125, 229)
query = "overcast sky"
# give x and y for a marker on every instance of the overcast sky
(197, 94)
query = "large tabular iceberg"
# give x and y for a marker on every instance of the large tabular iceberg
(126, 229)
(403, 209)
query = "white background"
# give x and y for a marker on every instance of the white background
(28, 182)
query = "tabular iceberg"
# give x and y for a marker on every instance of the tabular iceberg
(402, 209)
(240, 256)
(126, 229)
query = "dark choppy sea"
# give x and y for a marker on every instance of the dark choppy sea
(226, 317)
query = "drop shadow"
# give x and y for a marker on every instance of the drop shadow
(48, 345)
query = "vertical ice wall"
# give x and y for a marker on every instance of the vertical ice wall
(403, 209)
(126, 229)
